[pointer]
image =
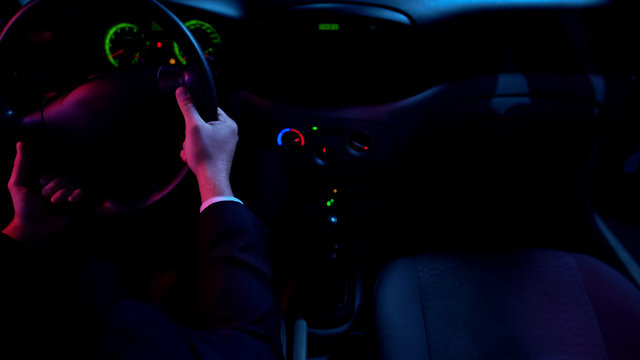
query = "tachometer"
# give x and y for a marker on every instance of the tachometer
(124, 44)
(206, 36)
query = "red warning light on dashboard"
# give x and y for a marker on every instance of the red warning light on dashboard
(290, 138)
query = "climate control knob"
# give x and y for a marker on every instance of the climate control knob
(290, 138)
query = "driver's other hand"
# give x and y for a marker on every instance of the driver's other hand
(59, 189)
(34, 221)
(208, 147)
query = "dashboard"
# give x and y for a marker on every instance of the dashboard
(340, 93)
(363, 83)
(355, 53)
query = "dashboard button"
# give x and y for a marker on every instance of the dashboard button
(359, 143)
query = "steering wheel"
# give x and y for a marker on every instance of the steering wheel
(115, 133)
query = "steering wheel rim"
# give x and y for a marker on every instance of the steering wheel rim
(195, 75)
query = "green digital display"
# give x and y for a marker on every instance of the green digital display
(328, 27)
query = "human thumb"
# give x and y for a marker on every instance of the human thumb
(188, 108)
(19, 172)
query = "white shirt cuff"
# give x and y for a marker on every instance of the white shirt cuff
(216, 199)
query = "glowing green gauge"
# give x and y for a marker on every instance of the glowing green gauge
(124, 44)
(206, 36)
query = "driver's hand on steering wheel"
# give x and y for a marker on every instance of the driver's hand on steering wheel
(208, 147)
(35, 220)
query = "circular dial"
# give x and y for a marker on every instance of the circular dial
(290, 138)
(206, 35)
(124, 44)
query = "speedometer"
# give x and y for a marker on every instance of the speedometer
(124, 44)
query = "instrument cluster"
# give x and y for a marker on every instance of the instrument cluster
(128, 44)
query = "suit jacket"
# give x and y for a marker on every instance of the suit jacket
(55, 308)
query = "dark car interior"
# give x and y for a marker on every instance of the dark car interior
(477, 142)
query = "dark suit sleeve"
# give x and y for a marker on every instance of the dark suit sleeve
(59, 305)
(232, 291)
(237, 308)
(230, 288)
